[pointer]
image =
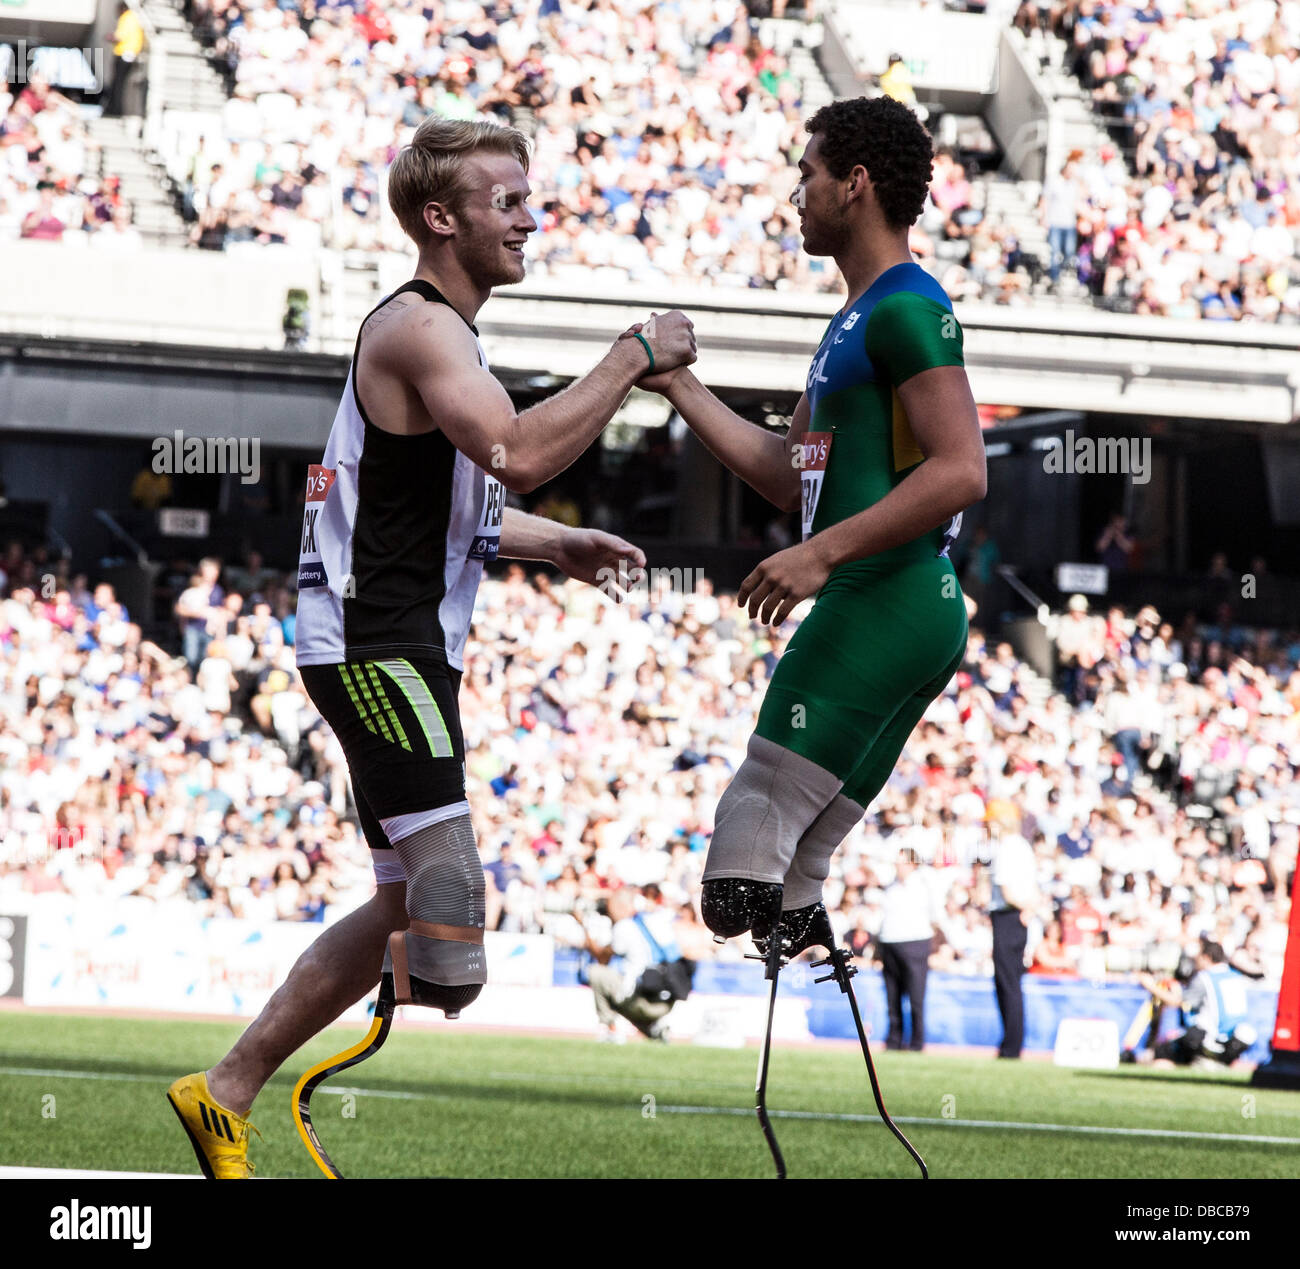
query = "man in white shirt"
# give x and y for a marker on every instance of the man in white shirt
(1059, 208)
(1011, 905)
(909, 918)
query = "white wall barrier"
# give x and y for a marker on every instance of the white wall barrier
(139, 955)
(135, 954)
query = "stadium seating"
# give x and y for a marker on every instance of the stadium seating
(1158, 790)
(53, 185)
(1193, 211)
(663, 144)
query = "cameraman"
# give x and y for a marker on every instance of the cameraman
(1212, 1007)
(637, 942)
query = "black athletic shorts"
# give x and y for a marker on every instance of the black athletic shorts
(399, 724)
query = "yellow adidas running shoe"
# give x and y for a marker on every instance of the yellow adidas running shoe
(219, 1136)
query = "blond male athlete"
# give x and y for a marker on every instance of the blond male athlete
(402, 512)
(883, 455)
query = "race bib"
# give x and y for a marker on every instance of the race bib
(487, 537)
(311, 568)
(816, 448)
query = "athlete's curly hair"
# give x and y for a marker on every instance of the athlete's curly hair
(889, 141)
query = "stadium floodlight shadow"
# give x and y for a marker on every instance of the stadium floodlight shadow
(322, 1071)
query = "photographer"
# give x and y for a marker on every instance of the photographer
(639, 974)
(1212, 1004)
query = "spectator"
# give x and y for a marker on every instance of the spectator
(896, 81)
(979, 574)
(196, 609)
(1079, 640)
(1051, 956)
(1115, 546)
(1060, 209)
(150, 489)
(908, 925)
(128, 44)
(43, 223)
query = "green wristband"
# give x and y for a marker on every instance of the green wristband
(645, 343)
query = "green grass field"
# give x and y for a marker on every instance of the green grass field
(473, 1105)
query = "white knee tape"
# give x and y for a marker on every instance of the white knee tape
(445, 899)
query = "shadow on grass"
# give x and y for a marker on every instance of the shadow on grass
(1168, 1077)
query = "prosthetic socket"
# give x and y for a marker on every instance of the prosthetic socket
(779, 822)
(439, 960)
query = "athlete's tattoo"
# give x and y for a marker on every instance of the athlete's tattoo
(378, 319)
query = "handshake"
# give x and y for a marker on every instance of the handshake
(668, 340)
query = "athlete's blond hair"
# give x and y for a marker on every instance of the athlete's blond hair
(432, 168)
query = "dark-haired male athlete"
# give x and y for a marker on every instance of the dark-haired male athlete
(883, 455)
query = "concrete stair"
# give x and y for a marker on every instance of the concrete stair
(796, 40)
(121, 153)
(1015, 203)
(1081, 127)
(191, 83)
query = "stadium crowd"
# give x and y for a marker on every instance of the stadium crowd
(48, 191)
(1156, 782)
(662, 134)
(664, 138)
(1203, 95)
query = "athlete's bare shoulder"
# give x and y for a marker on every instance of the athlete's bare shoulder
(408, 346)
(420, 370)
(385, 313)
(410, 334)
